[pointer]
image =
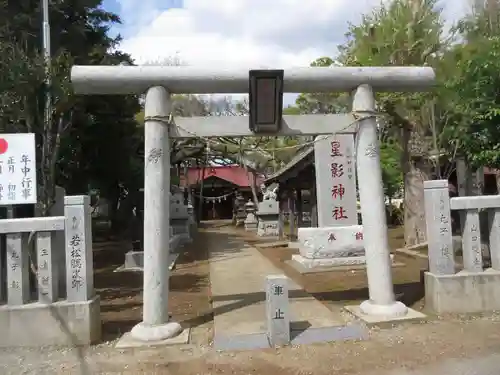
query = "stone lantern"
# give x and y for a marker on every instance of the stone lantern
(251, 221)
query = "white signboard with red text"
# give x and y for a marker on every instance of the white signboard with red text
(335, 180)
(17, 169)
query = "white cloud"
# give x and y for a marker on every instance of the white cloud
(244, 33)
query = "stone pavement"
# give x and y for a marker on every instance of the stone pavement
(237, 276)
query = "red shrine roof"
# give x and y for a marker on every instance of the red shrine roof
(230, 173)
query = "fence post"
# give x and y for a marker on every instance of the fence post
(494, 227)
(438, 221)
(78, 240)
(18, 284)
(48, 282)
(471, 242)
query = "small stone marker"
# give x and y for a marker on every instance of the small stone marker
(48, 284)
(277, 310)
(78, 233)
(335, 180)
(494, 223)
(471, 242)
(18, 288)
(438, 221)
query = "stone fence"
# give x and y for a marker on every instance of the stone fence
(35, 311)
(449, 287)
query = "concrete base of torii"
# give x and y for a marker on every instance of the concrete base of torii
(147, 333)
(381, 317)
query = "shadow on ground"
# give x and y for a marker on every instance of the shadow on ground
(121, 292)
(189, 298)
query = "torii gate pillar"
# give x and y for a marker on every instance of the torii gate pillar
(371, 195)
(155, 325)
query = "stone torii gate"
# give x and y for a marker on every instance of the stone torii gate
(159, 82)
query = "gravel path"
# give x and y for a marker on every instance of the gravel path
(451, 345)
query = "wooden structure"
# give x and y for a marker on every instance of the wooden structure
(297, 181)
(215, 188)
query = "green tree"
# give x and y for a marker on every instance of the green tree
(404, 33)
(392, 175)
(74, 148)
(323, 102)
(473, 86)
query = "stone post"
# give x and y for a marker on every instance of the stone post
(155, 325)
(18, 285)
(438, 221)
(58, 256)
(494, 226)
(471, 242)
(277, 310)
(48, 283)
(78, 235)
(382, 300)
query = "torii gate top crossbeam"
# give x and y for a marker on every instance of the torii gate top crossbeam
(116, 80)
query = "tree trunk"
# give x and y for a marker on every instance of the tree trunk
(414, 208)
(253, 183)
(414, 175)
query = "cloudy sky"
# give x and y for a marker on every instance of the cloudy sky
(246, 33)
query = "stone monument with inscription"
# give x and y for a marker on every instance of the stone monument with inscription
(474, 288)
(338, 239)
(269, 218)
(277, 310)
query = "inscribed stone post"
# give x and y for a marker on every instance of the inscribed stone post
(277, 310)
(335, 180)
(78, 234)
(494, 227)
(471, 242)
(58, 255)
(18, 288)
(48, 284)
(438, 221)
